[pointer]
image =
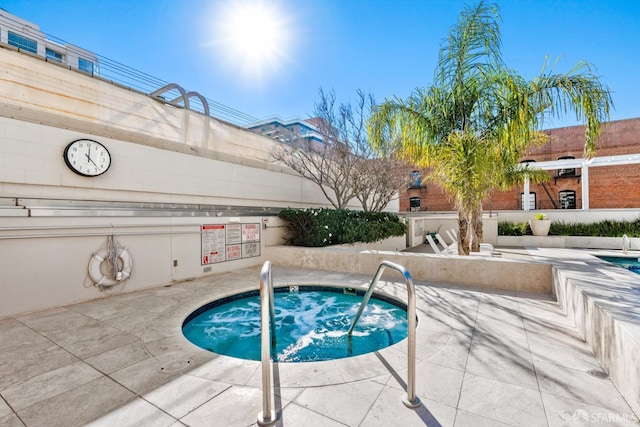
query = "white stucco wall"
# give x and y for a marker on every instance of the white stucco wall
(44, 261)
(161, 155)
(32, 166)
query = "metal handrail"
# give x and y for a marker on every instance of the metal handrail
(410, 400)
(267, 330)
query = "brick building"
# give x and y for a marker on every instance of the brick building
(609, 186)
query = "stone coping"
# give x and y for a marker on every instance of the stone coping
(498, 273)
(604, 303)
(585, 242)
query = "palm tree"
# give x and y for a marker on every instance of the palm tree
(478, 118)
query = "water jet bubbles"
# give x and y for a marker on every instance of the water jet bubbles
(310, 326)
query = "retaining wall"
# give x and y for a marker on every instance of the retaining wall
(499, 273)
(604, 303)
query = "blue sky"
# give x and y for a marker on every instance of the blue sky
(385, 47)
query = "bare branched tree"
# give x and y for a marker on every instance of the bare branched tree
(343, 164)
(378, 182)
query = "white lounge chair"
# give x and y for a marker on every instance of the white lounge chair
(452, 249)
(436, 248)
(454, 236)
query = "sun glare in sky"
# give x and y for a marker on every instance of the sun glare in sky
(253, 37)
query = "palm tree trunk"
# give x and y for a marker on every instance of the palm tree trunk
(463, 230)
(476, 227)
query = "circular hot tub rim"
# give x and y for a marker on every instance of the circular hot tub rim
(300, 288)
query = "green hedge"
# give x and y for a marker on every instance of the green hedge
(605, 228)
(325, 227)
(506, 228)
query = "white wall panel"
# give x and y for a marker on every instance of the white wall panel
(160, 154)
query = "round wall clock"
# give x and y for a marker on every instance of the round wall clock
(87, 157)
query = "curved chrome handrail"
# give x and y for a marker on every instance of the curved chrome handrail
(410, 400)
(267, 331)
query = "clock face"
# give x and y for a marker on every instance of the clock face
(87, 158)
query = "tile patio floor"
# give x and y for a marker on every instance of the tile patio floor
(484, 358)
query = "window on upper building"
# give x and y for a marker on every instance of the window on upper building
(22, 43)
(52, 55)
(414, 204)
(532, 201)
(414, 179)
(86, 66)
(566, 172)
(567, 199)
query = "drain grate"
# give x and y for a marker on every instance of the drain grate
(598, 374)
(175, 366)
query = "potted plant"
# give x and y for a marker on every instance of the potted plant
(540, 224)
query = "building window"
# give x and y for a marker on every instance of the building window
(567, 199)
(414, 180)
(85, 65)
(414, 204)
(22, 43)
(566, 172)
(52, 55)
(532, 201)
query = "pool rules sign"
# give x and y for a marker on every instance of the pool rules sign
(227, 242)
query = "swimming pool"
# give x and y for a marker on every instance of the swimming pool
(311, 324)
(630, 263)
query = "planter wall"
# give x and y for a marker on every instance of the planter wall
(476, 271)
(583, 242)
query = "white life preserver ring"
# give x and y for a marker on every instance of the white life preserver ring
(100, 279)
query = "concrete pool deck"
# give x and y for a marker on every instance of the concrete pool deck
(484, 357)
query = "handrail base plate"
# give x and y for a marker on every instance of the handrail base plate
(409, 404)
(262, 421)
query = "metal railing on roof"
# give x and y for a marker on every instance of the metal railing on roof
(123, 75)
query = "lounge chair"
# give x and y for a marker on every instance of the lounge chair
(454, 236)
(452, 249)
(436, 248)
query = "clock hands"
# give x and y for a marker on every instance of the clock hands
(89, 157)
(91, 160)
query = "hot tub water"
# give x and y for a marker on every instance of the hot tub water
(311, 325)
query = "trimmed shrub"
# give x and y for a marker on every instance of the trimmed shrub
(605, 228)
(324, 227)
(506, 228)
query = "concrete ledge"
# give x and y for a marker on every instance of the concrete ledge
(604, 303)
(535, 241)
(587, 242)
(500, 273)
(396, 243)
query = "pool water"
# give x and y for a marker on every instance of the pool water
(629, 263)
(311, 325)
